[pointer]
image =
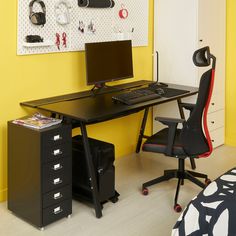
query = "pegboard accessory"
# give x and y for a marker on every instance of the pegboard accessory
(123, 12)
(64, 39)
(37, 18)
(58, 41)
(33, 39)
(63, 17)
(96, 3)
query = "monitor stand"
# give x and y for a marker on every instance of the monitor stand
(100, 88)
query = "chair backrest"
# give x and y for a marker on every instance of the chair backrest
(197, 142)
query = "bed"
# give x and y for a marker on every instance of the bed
(212, 212)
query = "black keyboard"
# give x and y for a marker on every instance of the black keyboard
(136, 96)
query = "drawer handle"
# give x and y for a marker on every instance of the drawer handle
(56, 152)
(57, 210)
(57, 166)
(57, 137)
(57, 181)
(213, 122)
(57, 196)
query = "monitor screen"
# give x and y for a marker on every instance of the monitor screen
(108, 61)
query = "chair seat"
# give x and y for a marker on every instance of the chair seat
(158, 143)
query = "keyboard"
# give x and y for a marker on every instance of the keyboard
(136, 96)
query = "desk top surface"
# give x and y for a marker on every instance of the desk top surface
(101, 107)
(83, 94)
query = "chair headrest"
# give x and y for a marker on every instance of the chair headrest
(202, 57)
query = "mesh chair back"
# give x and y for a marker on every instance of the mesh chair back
(197, 142)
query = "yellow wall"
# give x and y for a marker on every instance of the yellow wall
(230, 134)
(31, 77)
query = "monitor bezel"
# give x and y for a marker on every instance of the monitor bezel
(109, 80)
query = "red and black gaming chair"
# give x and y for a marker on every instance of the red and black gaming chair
(190, 141)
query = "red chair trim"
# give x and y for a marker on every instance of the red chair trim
(208, 137)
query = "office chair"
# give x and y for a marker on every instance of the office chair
(190, 141)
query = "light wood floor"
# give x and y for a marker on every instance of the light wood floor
(134, 214)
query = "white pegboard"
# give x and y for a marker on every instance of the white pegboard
(107, 23)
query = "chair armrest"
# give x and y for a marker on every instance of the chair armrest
(187, 106)
(168, 121)
(172, 124)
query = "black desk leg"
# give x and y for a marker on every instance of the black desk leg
(181, 112)
(97, 204)
(142, 129)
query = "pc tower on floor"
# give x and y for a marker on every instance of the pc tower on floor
(103, 157)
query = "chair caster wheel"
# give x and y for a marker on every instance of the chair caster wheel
(177, 208)
(145, 191)
(207, 182)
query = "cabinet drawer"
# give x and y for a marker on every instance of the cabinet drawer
(55, 181)
(57, 136)
(57, 196)
(52, 153)
(218, 137)
(217, 102)
(62, 165)
(216, 120)
(57, 212)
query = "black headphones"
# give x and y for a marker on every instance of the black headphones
(37, 18)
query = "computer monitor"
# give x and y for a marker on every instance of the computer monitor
(108, 61)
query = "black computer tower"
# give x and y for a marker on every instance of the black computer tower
(103, 156)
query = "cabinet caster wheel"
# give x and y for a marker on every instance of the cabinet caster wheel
(114, 199)
(207, 182)
(145, 191)
(69, 216)
(41, 228)
(177, 208)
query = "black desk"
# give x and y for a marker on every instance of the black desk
(85, 108)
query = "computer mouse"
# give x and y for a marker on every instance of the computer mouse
(159, 91)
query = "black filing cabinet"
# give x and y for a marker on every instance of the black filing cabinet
(39, 173)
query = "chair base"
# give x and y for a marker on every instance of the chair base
(181, 175)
